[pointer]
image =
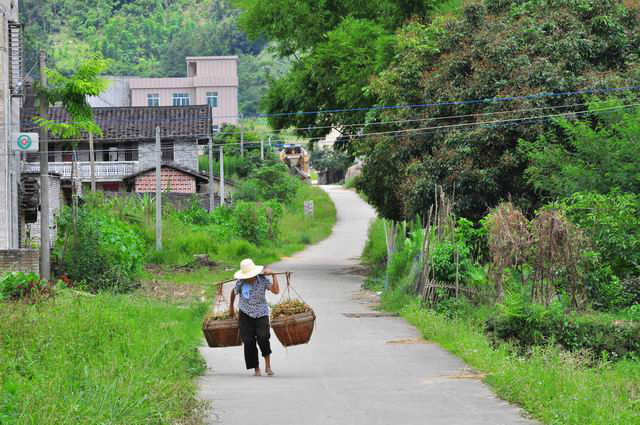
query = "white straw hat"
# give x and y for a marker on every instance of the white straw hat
(248, 270)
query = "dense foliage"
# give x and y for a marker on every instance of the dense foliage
(147, 38)
(497, 49)
(338, 46)
(99, 251)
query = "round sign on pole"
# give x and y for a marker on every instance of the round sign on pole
(25, 142)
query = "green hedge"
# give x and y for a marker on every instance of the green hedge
(614, 339)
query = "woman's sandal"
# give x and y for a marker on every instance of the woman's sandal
(269, 372)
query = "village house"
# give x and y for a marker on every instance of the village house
(125, 152)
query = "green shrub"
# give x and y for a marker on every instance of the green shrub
(102, 252)
(530, 325)
(257, 223)
(18, 285)
(612, 222)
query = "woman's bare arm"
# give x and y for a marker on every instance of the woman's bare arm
(232, 299)
(275, 287)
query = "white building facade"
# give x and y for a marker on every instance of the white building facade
(10, 100)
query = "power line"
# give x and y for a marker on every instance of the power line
(426, 105)
(423, 130)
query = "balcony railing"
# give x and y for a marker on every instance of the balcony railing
(104, 170)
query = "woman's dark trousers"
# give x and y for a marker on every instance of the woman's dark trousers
(252, 331)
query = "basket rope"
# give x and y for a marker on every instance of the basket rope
(287, 291)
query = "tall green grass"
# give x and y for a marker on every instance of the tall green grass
(181, 242)
(104, 359)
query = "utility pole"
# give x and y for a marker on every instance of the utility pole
(212, 203)
(45, 245)
(93, 163)
(221, 176)
(158, 191)
(241, 137)
(262, 149)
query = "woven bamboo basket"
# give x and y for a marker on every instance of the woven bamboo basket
(294, 329)
(222, 333)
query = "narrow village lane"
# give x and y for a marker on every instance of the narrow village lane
(355, 370)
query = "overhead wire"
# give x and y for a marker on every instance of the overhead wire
(421, 130)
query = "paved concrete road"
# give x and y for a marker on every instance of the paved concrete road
(354, 370)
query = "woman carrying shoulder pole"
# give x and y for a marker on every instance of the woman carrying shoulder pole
(253, 315)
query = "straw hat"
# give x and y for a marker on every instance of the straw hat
(248, 270)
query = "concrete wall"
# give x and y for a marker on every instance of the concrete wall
(9, 121)
(19, 260)
(185, 153)
(117, 94)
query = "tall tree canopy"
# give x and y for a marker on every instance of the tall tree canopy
(338, 46)
(498, 48)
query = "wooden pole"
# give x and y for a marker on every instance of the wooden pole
(262, 149)
(241, 137)
(45, 245)
(158, 191)
(93, 163)
(212, 203)
(221, 176)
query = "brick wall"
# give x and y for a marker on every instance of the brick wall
(170, 179)
(19, 260)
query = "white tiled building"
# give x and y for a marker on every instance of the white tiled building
(10, 91)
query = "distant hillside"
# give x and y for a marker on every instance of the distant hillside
(147, 38)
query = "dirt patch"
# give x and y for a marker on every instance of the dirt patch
(367, 315)
(408, 341)
(366, 297)
(467, 375)
(172, 291)
(354, 270)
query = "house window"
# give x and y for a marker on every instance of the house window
(131, 152)
(153, 100)
(167, 151)
(216, 128)
(180, 99)
(212, 99)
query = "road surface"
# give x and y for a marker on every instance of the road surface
(357, 369)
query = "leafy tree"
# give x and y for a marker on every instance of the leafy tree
(338, 47)
(598, 155)
(497, 49)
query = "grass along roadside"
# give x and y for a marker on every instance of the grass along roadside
(104, 359)
(550, 384)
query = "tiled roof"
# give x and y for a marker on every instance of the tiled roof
(128, 124)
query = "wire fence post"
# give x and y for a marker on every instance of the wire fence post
(158, 191)
(212, 203)
(92, 160)
(45, 246)
(241, 137)
(262, 149)
(221, 176)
